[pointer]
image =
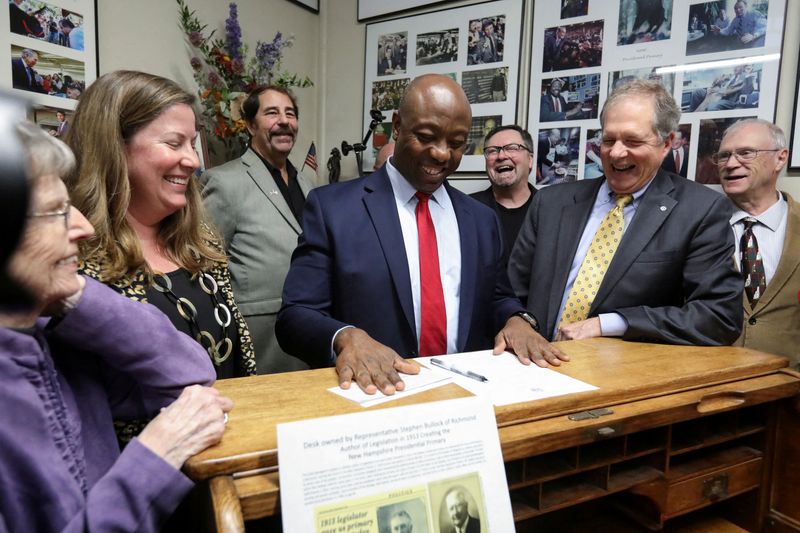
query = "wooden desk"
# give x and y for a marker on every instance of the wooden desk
(688, 426)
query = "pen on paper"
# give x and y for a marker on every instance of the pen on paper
(465, 373)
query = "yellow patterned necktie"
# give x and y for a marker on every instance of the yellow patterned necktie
(595, 264)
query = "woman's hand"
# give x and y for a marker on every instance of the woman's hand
(192, 423)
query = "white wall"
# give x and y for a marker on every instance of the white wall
(329, 48)
(145, 35)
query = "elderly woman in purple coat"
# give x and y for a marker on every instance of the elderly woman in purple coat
(79, 357)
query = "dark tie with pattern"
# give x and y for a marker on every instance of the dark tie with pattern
(755, 281)
(433, 316)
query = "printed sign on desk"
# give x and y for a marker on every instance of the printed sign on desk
(429, 467)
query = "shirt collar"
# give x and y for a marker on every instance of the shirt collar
(770, 218)
(404, 191)
(606, 195)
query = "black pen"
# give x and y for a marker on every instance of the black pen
(465, 373)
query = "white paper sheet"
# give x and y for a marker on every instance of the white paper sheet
(357, 473)
(426, 379)
(509, 380)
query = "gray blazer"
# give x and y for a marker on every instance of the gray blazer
(672, 278)
(260, 234)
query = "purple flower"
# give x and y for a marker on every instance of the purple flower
(196, 38)
(213, 79)
(237, 65)
(196, 63)
(233, 33)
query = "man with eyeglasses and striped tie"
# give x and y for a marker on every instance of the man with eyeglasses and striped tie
(639, 253)
(766, 226)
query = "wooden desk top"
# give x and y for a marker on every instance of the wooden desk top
(624, 372)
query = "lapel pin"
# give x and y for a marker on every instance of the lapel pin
(663, 208)
(273, 191)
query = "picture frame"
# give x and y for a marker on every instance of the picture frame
(486, 64)
(716, 79)
(52, 47)
(311, 5)
(373, 9)
(794, 143)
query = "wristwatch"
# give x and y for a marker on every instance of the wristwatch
(529, 318)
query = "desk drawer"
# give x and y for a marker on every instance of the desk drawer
(710, 487)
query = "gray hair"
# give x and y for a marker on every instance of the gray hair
(44, 154)
(776, 134)
(666, 113)
(27, 53)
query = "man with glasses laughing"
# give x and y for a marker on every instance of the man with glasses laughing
(509, 159)
(639, 253)
(766, 226)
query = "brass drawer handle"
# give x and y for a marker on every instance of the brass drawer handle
(716, 487)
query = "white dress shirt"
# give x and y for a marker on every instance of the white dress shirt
(770, 233)
(448, 243)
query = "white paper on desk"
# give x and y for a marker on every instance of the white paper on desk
(352, 473)
(509, 380)
(426, 379)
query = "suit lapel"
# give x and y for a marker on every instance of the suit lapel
(469, 268)
(790, 258)
(654, 208)
(380, 204)
(266, 184)
(570, 228)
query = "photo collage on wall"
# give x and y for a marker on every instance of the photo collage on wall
(478, 46)
(52, 53)
(719, 59)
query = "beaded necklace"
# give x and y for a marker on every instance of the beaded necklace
(219, 351)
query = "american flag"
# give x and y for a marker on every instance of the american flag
(311, 157)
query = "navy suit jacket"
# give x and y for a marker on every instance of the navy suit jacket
(350, 268)
(19, 75)
(672, 278)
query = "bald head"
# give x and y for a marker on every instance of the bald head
(431, 126)
(428, 85)
(383, 154)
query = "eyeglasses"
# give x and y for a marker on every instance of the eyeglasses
(742, 155)
(64, 211)
(491, 152)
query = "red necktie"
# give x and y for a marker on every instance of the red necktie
(433, 317)
(677, 162)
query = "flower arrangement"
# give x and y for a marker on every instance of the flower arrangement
(224, 75)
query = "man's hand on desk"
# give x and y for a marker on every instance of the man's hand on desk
(372, 365)
(519, 338)
(584, 329)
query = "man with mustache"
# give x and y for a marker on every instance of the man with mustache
(400, 264)
(639, 253)
(256, 202)
(766, 225)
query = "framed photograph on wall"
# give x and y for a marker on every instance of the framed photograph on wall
(372, 9)
(794, 145)
(52, 48)
(720, 59)
(478, 46)
(311, 5)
